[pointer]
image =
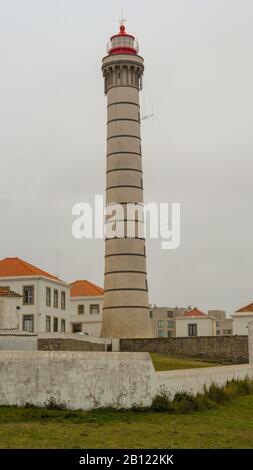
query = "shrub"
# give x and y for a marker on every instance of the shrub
(202, 403)
(161, 402)
(218, 394)
(240, 387)
(53, 404)
(184, 402)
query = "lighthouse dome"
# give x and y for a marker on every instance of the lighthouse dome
(122, 43)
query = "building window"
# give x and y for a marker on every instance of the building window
(28, 295)
(63, 326)
(218, 324)
(146, 283)
(227, 332)
(161, 334)
(170, 334)
(77, 327)
(28, 324)
(218, 332)
(150, 314)
(48, 297)
(63, 300)
(170, 324)
(80, 309)
(55, 298)
(55, 324)
(94, 309)
(160, 323)
(170, 314)
(48, 324)
(192, 329)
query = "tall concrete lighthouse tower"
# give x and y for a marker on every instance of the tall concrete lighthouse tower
(126, 304)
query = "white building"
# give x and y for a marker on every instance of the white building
(10, 304)
(195, 323)
(224, 325)
(86, 307)
(241, 319)
(45, 305)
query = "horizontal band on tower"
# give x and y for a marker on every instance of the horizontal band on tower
(123, 220)
(124, 186)
(123, 86)
(125, 238)
(123, 169)
(126, 306)
(124, 135)
(123, 119)
(123, 203)
(125, 288)
(123, 152)
(126, 272)
(125, 254)
(123, 102)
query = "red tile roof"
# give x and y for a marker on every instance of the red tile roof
(6, 292)
(83, 288)
(15, 267)
(195, 312)
(247, 308)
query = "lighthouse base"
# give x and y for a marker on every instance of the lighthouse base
(126, 323)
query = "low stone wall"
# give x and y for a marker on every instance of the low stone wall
(88, 380)
(15, 342)
(222, 349)
(69, 344)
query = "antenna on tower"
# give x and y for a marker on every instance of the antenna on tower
(122, 19)
(147, 116)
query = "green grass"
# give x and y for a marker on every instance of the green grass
(162, 362)
(227, 426)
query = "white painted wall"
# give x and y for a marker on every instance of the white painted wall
(91, 324)
(206, 326)
(9, 313)
(39, 309)
(194, 380)
(240, 323)
(82, 380)
(87, 380)
(250, 330)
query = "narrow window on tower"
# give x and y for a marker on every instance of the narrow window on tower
(132, 75)
(136, 78)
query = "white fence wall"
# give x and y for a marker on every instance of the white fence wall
(87, 380)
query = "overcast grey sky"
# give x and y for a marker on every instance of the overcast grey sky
(197, 150)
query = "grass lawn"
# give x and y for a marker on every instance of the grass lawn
(162, 362)
(228, 426)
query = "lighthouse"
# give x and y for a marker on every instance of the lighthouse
(126, 303)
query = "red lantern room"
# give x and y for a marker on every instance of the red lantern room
(123, 43)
